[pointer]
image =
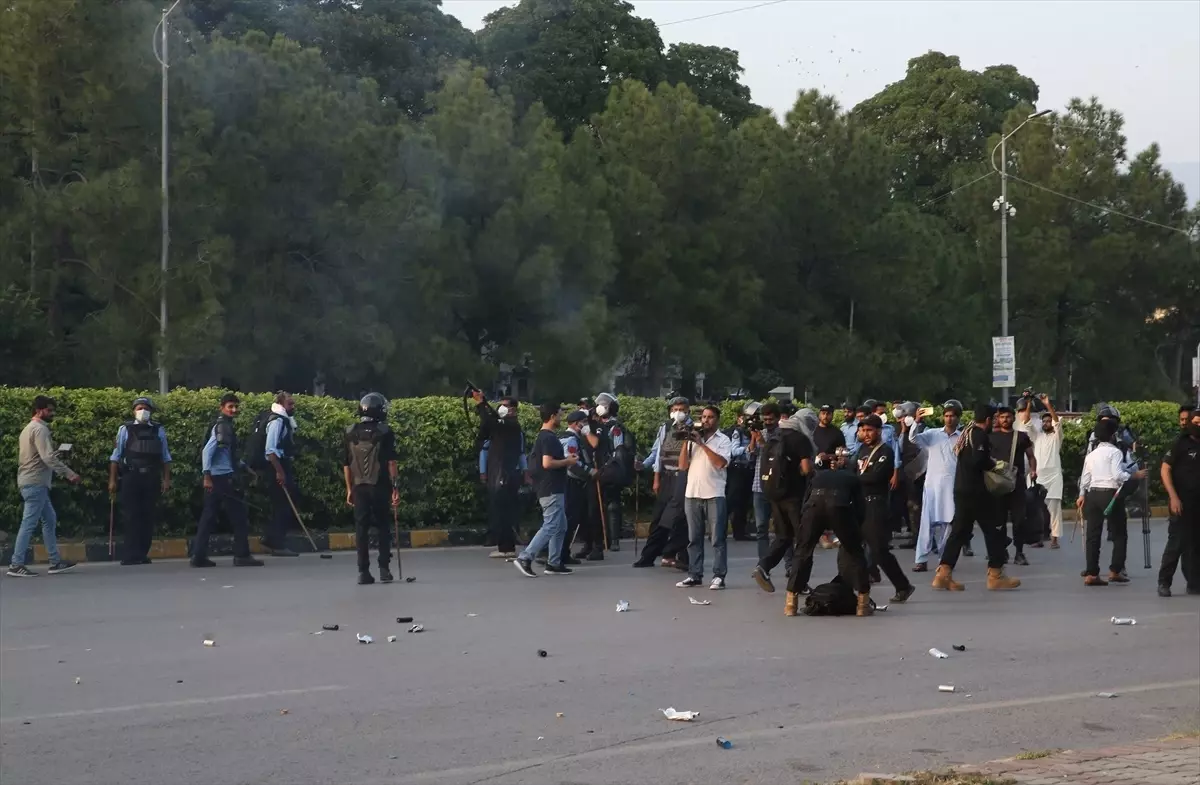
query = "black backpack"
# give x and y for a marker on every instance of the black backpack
(831, 599)
(255, 453)
(775, 468)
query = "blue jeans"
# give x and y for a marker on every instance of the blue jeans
(699, 513)
(37, 507)
(553, 531)
(762, 523)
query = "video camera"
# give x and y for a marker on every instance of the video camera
(753, 422)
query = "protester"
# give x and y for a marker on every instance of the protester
(550, 465)
(142, 463)
(937, 504)
(38, 462)
(1181, 476)
(705, 457)
(1047, 450)
(875, 470)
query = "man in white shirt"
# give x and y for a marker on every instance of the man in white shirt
(1047, 449)
(1104, 472)
(705, 457)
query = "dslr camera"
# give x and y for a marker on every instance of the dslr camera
(753, 422)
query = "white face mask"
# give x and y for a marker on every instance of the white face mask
(601, 410)
(883, 417)
(142, 415)
(502, 411)
(910, 421)
(679, 417)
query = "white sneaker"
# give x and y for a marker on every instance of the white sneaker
(717, 584)
(688, 583)
(497, 555)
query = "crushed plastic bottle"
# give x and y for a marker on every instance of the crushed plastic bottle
(209, 642)
(1123, 622)
(391, 639)
(622, 606)
(945, 688)
(681, 716)
(694, 601)
(941, 655)
(417, 628)
(724, 743)
(365, 638)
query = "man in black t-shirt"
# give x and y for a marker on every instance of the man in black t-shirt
(826, 436)
(369, 468)
(1181, 475)
(548, 464)
(785, 462)
(1013, 505)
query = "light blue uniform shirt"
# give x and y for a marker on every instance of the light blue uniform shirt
(522, 462)
(274, 436)
(123, 436)
(214, 458)
(850, 431)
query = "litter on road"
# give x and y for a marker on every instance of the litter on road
(956, 647)
(945, 688)
(622, 606)
(409, 579)
(1123, 622)
(681, 716)
(391, 639)
(365, 638)
(404, 619)
(330, 627)
(419, 628)
(210, 643)
(941, 655)
(542, 653)
(77, 679)
(694, 601)
(724, 743)
(1106, 694)
(283, 711)
(326, 555)
(558, 714)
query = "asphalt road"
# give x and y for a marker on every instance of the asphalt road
(469, 700)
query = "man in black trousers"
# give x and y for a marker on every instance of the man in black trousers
(875, 469)
(787, 459)
(1181, 476)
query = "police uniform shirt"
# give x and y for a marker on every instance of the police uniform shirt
(118, 453)
(570, 442)
(216, 458)
(1184, 460)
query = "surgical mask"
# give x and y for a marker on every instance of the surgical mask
(883, 417)
(910, 421)
(601, 410)
(142, 415)
(679, 417)
(502, 411)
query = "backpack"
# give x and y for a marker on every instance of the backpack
(256, 444)
(775, 466)
(831, 599)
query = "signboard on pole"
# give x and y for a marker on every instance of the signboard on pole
(1004, 362)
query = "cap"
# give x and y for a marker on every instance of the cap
(826, 408)
(576, 416)
(871, 421)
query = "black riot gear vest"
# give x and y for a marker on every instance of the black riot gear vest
(672, 445)
(143, 445)
(363, 441)
(227, 437)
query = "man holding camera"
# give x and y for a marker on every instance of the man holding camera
(705, 457)
(785, 461)
(670, 519)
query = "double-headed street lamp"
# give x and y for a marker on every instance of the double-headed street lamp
(1006, 210)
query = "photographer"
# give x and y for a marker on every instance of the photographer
(741, 477)
(670, 520)
(785, 459)
(502, 469)
(705, 457)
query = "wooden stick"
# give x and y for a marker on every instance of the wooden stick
(296, 512)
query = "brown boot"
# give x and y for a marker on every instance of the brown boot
(998, 581)
(943, 579)
(790, 604)
(864, 605)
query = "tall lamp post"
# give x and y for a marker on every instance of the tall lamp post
(165, 206)
(1006, 210)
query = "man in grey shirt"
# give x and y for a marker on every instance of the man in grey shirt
(39, 462)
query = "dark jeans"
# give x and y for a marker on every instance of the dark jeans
(281, 511)
(738, 497)
(225, 495)
(1093, 514)
(502, 515)
(1013, 508)
(139, 505)
(1183, 548)
(785, 513)
(577, 511)
(371, 504)
(916, 496)
(669, 524)
(821, 514)
(986, 510)
(877, 533)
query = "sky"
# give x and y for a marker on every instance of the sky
(1141, 58)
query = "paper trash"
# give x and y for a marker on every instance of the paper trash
(365, 638)
(694, 601)
(622, 606)
(682, 716)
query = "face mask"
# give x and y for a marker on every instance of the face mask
(910, 421)
(142, 415)
(883, 417)
(502, 411)
(679, 417)
(601, 410)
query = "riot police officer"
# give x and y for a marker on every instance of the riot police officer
(221, 461)
(370, 445)
(502, 468)
(613, 462)
(143, 463)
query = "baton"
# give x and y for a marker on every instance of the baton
(296, 512)
(112, 505)
(637, 489)
(396, 542)
(1146, 522)
(603, 521)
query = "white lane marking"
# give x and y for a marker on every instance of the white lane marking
(8, 649)
(499, 770)
(170, 704)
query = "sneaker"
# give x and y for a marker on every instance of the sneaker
(557, 569)
(688, 583)
(283, 552)
(365, 579)
(967, 551)
(497, 555)
(61, 567)
(903, 594)
(21, 571)
(1164, 591)
(246, 561)
(202, 563)
(508, 555)
(1020, 560)
(524, 567)
(385, 575)
(763, 580)
(717, 584)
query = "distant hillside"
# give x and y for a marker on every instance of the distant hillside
(1188, 174)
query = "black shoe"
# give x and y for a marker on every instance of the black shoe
(581, 555)
(643, 563)
(688, 583)
(246, 561)
(967, 551)
(130, 562)
(385, 575)
(1038, 544)
(523, 567)
(203, 563)
(1164, 591)
(21, 571)
(615, 545)
(145, 560)
(763, 580)
(1020, 560)
(596, 555)
(571, 560)
(61, 567)
(283, 552)
(902, 595)
(557, 569)
(365, 579)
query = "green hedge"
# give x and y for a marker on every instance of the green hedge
(437, 461)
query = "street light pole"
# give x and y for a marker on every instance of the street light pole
(165, 213)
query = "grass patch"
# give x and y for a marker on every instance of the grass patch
(1036, 754)
(933, 778)
(1191, 733)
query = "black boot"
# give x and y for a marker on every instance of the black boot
(385, 575)
(246, 561)
(365, 578)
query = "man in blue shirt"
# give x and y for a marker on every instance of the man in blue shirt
(142, 460)
(280, 450)
(220, 461)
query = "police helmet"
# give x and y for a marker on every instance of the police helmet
(609, 401)
(906, 409)
(954, 405)
(1108, 410)
(373, 405)
(871, 403)
(751, 408)
(143, 401)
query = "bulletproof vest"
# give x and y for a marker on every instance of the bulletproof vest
(143, 445)
(504, 449)
(285, 437)
(227, 437)
(363, 442)
(670, 448)
(580, 470)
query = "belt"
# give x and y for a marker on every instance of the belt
(1101, 488)
(824, 492)
(141, 469)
